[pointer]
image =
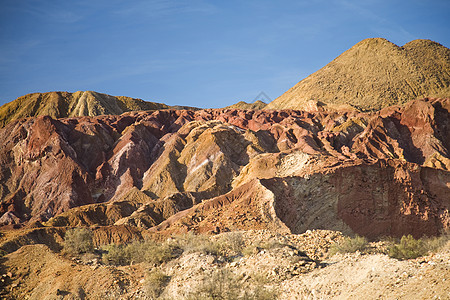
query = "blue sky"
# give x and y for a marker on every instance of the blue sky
(194, 52)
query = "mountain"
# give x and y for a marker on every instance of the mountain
(244, 105)
(64, 104)
(176, 201)
(373, 74)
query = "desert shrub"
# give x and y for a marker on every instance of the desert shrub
(152, 252)
(155, 282)
(222, 284)
(229, 244)
(260, 292)
(408, 248)
(78, 240)
(140, 251)
(115, 255)
(349, 245)
(191, 243)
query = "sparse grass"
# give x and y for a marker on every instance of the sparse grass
(349, 245)
(78, 241)
(155, 282)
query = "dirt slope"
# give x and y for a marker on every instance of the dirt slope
(373, 74)
(35, 272)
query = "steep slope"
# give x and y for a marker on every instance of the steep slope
(64, 104)
(373, 74)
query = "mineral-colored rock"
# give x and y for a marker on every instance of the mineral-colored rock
(377, 173)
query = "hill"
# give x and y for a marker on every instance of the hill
(373, 74)
(244, 105)
(64, 104)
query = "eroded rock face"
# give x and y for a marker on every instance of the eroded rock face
(370, 173)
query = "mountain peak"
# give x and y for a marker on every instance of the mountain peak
(373, 74)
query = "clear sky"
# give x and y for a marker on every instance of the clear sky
(194, 52)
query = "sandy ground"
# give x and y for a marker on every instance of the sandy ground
(36, 272)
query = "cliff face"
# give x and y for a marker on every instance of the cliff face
(373, 74)
(381, 173)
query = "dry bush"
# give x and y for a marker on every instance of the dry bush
(224, 284)
(227, 244)
(191, 243)
(152, 252)
(78, 240)
(410, 248)
(140, 251)
(230, 244)
(155, 283)
(115, 255)
(260, 292)
(349, 245)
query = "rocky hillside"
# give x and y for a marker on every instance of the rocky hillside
(64, 104)
(231, 203)
(373, 74)
(168, 171)
(256, 265)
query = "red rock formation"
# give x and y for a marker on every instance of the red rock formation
(50, 166)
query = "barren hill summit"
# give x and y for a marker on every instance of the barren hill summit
(65, 104)
(244, 105)
(373, 74)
